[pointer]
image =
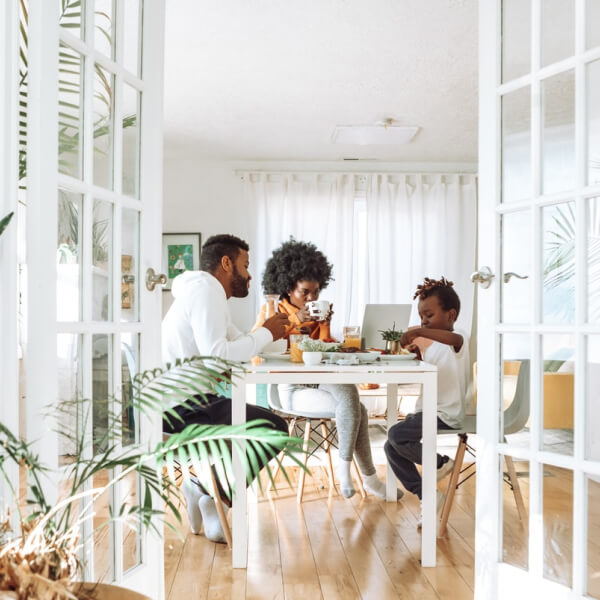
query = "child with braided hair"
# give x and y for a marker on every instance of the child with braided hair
(436, 342)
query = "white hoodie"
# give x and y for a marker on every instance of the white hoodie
(199, 324)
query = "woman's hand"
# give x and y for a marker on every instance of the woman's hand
(303, 315)
(329, 315)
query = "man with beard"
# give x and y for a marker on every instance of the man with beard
(198, 323)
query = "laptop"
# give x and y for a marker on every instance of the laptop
(383, 316)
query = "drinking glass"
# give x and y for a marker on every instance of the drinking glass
(352, 336)
(271, 302)
(295, 352)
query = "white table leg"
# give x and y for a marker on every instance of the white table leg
(391, 483)
(239, 529)
(428, 531)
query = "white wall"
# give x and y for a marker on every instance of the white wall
(206, 196)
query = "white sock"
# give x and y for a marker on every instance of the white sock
(346, 484)
(193, 493)
(374, 485)
(212, 525)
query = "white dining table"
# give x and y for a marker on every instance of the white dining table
(392, 373)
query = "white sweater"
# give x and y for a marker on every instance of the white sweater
(454, 380)
(198, 323)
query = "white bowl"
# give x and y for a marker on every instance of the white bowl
(312, 358)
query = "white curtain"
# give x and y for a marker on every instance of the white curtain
(421, 226)
(317, 208)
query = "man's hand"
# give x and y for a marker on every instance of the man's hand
(277, 325)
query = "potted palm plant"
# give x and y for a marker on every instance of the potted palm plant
(41, 559)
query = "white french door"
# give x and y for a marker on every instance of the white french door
(539, 217)
(94, 181)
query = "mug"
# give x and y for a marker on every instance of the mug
(318, 309)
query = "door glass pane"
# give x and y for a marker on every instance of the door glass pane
(69, 16)
(558, 132)
(102, 534)
(68, 256)
(593, 259)
(515, 389)
(557, 486)
(592, 399)
(131, 148)
(130, 278)
(593, 548)
(131, 533)
(516, 145)
(593, 121)
(68, 349)
(131, 39)
(103, 27)
(70, 114)
(592, 23)
(515, 525)
(516, 38)
(558, 30)
(130, 366)
(558, 300)
(104, 84)
(102, 389)
(516, 258)
(102, 230)
(558, 392)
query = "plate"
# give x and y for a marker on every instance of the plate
(409, 356)
(275, 355)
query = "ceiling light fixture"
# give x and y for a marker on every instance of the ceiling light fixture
(384, 132)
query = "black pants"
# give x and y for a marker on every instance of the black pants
(216, 410)
(403, 449)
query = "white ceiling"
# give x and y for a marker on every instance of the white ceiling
(270, 79)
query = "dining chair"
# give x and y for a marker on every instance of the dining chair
(324, 439)
(515, 418)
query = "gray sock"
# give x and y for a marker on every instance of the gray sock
(212, 525)
(193, 493)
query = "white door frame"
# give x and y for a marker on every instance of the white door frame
(9, 368)
(42, 221)
(494, 578)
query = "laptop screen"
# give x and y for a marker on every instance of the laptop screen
(380, 317)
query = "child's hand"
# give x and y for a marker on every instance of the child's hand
(414, 348)
(408, 337)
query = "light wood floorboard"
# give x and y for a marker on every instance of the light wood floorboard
(333, 548)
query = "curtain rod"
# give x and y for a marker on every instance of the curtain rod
(242, 172)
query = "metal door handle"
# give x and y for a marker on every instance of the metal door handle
(510, 274)
(153, 279)
(484, 277)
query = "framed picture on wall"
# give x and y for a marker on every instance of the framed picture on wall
(180, 252)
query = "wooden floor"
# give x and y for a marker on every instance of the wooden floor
(329, 548)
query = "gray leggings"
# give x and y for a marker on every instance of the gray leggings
(351, 416)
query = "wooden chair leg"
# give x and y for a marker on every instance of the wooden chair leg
(361, 487)
(458, 461)
(514, 482)
(327, 448)
(305, 445)
(220, 511)
(291, 426)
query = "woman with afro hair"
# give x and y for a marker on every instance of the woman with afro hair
(297, 272)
